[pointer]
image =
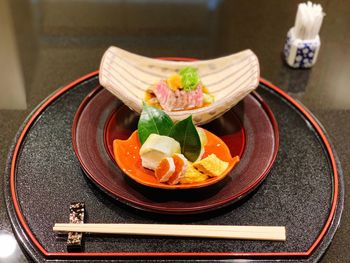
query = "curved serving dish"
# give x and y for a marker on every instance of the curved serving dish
(229, 79)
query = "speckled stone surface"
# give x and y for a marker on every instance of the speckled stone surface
(296, 194)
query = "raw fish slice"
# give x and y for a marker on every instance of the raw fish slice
(165, 169)
(181, 164)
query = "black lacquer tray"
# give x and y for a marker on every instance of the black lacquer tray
(303, 191)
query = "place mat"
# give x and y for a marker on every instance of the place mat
(303, 191)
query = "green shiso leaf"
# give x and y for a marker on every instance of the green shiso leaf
(187, 135)
(189, 78)
(153, 120)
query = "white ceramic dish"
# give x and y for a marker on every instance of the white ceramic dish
(229, 79)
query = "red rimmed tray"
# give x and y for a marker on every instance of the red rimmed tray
(308, 201)
(249, 127)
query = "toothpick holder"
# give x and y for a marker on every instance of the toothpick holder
(301, 53)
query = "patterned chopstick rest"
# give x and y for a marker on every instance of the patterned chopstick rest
(76, 216)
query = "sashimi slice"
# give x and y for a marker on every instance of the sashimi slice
(198, 96)
(181, 164)
(163, 94)
(171, 100)
(165, 169)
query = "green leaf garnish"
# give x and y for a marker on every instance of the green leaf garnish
(153, 120)
(156, 121)
(189, 78)
(187, 135)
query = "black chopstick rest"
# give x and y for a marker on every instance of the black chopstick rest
(76, 216)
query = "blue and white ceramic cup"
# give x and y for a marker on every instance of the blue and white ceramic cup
(301, 53)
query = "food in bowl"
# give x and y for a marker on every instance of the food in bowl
(175, 154)
(180, 91)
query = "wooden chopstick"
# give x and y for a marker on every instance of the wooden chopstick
(276, 233)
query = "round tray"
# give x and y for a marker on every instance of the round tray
(249, 130)
(304, 191)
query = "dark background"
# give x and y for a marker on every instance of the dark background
(45, 44)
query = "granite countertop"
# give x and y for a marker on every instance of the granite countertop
(48, 44)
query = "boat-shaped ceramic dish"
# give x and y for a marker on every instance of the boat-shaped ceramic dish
(229, 79)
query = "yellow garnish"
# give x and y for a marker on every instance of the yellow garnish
(174, 82)
(205, 89)
(207, 99)
(211, 165)
(192, 175)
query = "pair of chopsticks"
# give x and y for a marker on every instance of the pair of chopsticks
(275, 233)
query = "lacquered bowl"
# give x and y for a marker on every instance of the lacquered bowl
(248, 129)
